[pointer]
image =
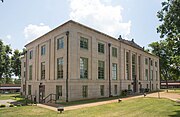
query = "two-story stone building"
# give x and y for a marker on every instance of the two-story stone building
(76, 62)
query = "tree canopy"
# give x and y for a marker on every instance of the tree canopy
(168, 49)
(10, 63)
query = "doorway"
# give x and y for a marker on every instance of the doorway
(41, 93)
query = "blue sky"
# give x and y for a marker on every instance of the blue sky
(24, 20)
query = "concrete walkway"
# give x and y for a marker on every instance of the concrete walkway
(6, 102)
(171, 96)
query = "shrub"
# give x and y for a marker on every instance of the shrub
(124, 93)
(18, 105)
(1, 106)
(11, 105)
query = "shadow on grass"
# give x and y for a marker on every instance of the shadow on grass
(177, 113)
(20, 100)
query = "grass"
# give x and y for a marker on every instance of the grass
(9, 96)
(19, 99)
(86, 101)
(140, 107)
(174, 90)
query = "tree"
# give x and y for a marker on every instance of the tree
(168, 49)
(1, 59)
(170, 30)
(16, 63)
(7, 61)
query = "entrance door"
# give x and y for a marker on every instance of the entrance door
(41, 93)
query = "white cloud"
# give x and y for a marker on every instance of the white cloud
(8, 36)
(33, 31)
(101, 16)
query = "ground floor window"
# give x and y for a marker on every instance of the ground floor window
(152, 87)
(147, 86)
(115, 89)
(29, 89)
(102, 90)
(129, 87)
(85, 91)
(58, 91)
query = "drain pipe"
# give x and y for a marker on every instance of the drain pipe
(109, 45)
(67, 34)
(26, 73)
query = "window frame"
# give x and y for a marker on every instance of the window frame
(60, 43)
(114, 52)
(101, 70)
(84, 43)
(102, 90)
(58, 91)
(43, 70)
(30, 72)
(85, 91)
(60, 66)
(43, 50)
(114, 71)
(83, 68)
(100, 47)
(30, 54)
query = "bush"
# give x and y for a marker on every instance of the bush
(147, 90)
(1, 106)
(18, 105)
(11, 105)
(124, 92)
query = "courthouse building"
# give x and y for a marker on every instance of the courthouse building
(76, 62)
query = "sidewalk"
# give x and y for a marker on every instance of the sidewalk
(86, 105)
(171, 96)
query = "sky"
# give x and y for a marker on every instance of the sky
(22, 21)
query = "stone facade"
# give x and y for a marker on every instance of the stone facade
(74, 85)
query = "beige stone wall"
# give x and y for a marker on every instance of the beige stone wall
(75, 52)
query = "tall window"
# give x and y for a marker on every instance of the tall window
(139, 66)
(85, 91)
(42, 70)
(156, 76)
(58, 91)
(60, 63)
(60, 43)
(129, 87)
(84, 68)
(114, 52)
(151, 62)
(127, 65)
(31, 54)
(155, 64)
(115, 89)
(30, 72)
(100, 69)
(146, 61)
(133, 66)
(146, 74)
(102, 90)
(151, 74)
(114, 71)
(43, 50)
(100, 47)
(29, 89)
(83, 43)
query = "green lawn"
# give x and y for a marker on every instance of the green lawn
(174, 91)
(141, 107)
(9, 96)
